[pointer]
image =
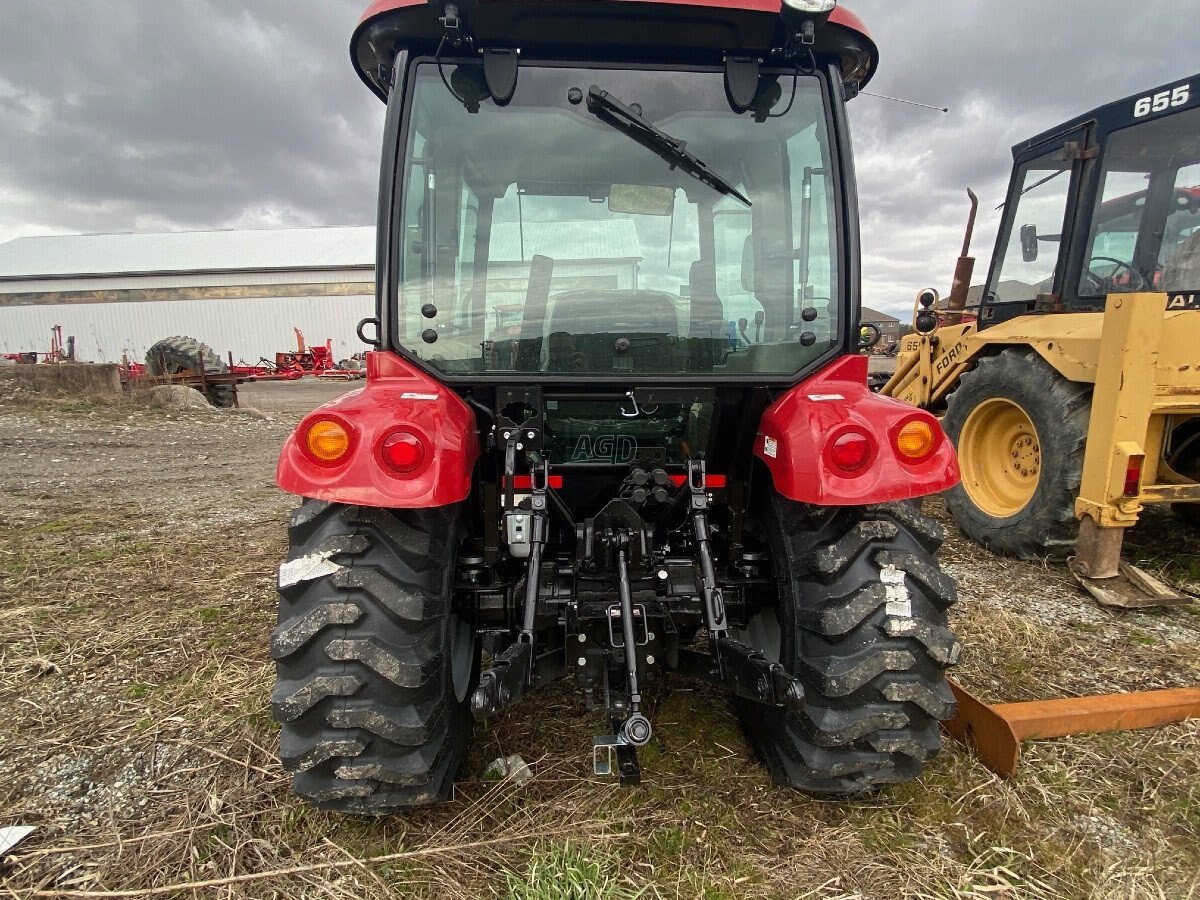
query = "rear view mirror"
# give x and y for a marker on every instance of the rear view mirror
(748, 264)
(1029, 243)
(641, 199)
(868, 335)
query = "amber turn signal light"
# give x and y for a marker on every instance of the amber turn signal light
(916, 440)
(327, 441)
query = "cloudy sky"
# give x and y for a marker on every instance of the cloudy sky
(141, 115)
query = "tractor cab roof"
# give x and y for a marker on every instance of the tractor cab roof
(1157, 103)
(689, 31)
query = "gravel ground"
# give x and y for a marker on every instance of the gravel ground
(138, 550)
(201, 466)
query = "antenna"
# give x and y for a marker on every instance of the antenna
(941, 109)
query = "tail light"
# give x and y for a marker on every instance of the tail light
(403, 452)
(850, 451)
(1133, 476)
(327, 441)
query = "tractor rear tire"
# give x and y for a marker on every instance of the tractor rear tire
(1020, 430)
(175, 355)
(862, 623)
(374, 668)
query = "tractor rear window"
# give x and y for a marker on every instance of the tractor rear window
(538, 238)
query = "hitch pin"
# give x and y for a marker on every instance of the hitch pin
(637, 411)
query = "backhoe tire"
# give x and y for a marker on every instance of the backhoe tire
(861, 621)
(374, 668)
(1020, 429)
(1185, 459)
(175, 355)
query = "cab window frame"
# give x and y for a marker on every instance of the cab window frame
(844, 246)
(994, 310)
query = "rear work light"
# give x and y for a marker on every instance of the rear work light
(811, 7)
(403, 452)
(915, 440)
(850, 452)
(326, 441)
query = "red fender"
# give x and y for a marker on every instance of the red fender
(396, 395)
(798, 428)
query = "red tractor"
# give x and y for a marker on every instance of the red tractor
(622, 481)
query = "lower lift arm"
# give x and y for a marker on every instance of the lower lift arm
(744, 670)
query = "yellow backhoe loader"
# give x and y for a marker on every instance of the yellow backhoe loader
(1071, 383)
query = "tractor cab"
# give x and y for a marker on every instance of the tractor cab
(1106, 203)
(602, 200)
(615, 424)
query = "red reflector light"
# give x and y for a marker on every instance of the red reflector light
(525, 482)
(1133, 476)
(710, 481)
(850, 452)
(403, 452)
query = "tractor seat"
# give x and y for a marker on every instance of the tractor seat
(1182, 271)
(585, 325)
(708, 314)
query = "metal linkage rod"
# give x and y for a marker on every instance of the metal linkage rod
(635, 697)
(714, 603)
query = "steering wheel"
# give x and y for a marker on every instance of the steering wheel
(1102, 285)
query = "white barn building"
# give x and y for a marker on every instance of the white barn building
(240, 292)
(243, 292)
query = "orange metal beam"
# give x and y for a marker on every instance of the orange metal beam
(995, 732)
(1109, 712)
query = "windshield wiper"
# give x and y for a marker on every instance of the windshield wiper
(1036, 184)
(612, 111)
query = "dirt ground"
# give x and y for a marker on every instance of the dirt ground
(138, 551)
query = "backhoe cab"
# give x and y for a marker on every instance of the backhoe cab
(1071, 389)
(615, 425)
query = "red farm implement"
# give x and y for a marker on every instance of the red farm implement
(60, 351)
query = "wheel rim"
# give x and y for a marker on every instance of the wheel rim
(1000, 457)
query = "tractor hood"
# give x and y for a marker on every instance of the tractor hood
(695, 31)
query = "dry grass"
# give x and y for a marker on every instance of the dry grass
(134, 682)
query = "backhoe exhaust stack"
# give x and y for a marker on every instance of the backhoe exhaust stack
(963, 270)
